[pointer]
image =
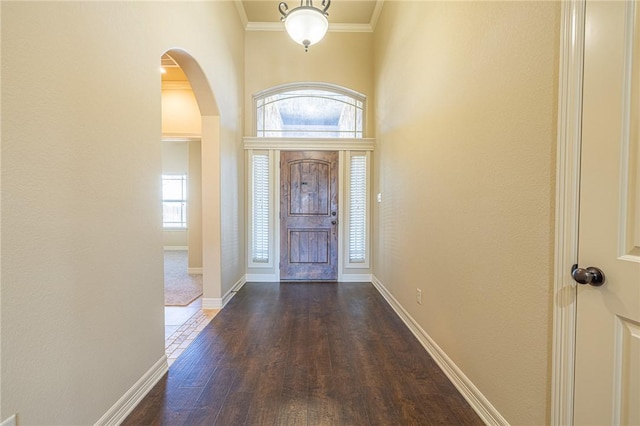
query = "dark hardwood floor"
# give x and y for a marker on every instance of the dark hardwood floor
(305, 354)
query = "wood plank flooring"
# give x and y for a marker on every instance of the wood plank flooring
(305, 354)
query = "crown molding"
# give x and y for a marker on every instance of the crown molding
(350, 28)
(333, 27)
(264, 26)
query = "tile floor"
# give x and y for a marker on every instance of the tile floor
(182, 325)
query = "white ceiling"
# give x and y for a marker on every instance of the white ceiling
(348, 15)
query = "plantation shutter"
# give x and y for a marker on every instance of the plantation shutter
(260, 237)
(358, 209)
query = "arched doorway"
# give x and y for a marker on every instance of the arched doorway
(191, 120)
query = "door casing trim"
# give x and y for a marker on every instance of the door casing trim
(572, 40)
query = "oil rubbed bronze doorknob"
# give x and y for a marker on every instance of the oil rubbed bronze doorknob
(591, 275)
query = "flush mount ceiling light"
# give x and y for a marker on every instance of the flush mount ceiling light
(305, 24)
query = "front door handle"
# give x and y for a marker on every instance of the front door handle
(591, 275)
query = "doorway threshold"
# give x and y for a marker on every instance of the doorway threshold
(185, 325)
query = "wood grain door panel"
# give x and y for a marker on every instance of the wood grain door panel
(309, 246)
(309, 215)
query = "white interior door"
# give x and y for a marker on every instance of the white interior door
(607, 382)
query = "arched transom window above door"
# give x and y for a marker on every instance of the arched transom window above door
(309, 110)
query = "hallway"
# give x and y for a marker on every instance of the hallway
(472, 122)
(304, 353)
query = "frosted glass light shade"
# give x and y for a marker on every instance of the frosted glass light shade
(306, 25)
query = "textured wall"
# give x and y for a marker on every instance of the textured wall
(82, 292)
(466, 96)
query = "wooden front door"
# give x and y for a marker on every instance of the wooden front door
(607, 375)
(309, 215)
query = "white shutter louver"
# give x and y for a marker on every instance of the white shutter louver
(358, 209)
(260, 236)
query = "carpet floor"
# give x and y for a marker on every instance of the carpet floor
(180, 288)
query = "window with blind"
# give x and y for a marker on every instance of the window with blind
(358, 208)
(260, 208)
(174, 201)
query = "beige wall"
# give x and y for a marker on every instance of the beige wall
(175, 157)
(180, 113)
(82, 312)
(466, 128)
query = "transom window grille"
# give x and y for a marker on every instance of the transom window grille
(358, 209)
(174, 201)
(260, 207)
(317, 112)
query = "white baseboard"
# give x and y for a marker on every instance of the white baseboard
(219, 303)
(469, 391)
(356, 278)
(232, 292)
(133, 396)
(261, 278)
(177, 248)
(194, 271)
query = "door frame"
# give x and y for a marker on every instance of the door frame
(276, 145)
(212, 297)
(572, 41)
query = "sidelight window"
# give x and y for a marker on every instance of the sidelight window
(260, 207)
(358, 209)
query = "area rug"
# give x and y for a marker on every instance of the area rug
(180, 288)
